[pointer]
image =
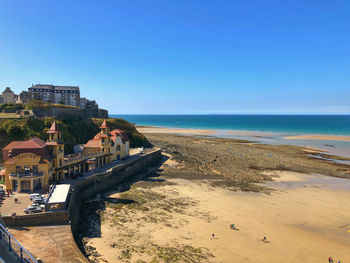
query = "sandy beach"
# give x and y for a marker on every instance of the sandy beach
(298, 202)
(150, 129)
(307, 223)
(164, 130)
(319, 137)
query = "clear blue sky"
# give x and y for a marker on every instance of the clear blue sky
(183, 56)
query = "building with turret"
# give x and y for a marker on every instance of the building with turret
(33, 165)
(115, 142)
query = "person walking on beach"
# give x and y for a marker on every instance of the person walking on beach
(330, 260)
(212, 236)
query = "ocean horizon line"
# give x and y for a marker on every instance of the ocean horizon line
(232, 114)
(292, 124)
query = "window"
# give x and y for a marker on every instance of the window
(26, 169)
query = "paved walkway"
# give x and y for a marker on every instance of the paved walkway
(9, 206)
(9, 257)
(52, 244)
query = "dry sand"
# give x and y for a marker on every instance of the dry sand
(304, 220)
(319, 137)
(150, 129)
(164, 130)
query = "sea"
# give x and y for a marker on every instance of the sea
(294, 124)
(277, 126)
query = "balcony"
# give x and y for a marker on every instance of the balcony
(75, 158)
(30, 174)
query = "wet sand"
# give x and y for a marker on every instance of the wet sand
(319, 137)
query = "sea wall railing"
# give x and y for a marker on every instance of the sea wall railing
(14, 245)
(81, 157)
(30, 174)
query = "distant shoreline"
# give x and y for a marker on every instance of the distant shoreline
(332, 144)
(161, 129)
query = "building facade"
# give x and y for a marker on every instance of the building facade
(68, 95)
(8, 96)
(83, 102)
(24, 96)
(27, 165)
(33, 165)
(115, 142)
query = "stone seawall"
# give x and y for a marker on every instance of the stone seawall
(105, 181)
(57, 112)
(54, 218)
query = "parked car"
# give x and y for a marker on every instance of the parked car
(39, 205)
(32, 196)
(73, 177)
(33, 209)
(39, 199)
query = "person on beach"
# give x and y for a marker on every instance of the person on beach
(212, 236)
(264, 239)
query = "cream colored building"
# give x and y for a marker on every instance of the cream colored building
(33, 165)
(28, 165)
(120, 144)
(115, 142)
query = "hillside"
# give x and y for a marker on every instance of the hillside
(73, 131)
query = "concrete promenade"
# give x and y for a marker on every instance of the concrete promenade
(52, 244)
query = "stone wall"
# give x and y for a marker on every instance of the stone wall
(105, 181)
(54, 218)
(57, 112)
(95, 113)
(70, 112)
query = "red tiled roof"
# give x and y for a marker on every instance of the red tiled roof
(39, 142)
(120, 133)
(54, 128)
(29, 144)
(12, 145)
(34, 145)
(93, 143)
(99, 135)
(104, 125)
